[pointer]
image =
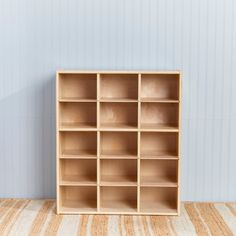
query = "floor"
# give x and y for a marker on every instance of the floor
(37, 217)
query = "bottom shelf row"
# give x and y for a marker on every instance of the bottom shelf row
(82, 199)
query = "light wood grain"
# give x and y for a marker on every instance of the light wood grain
(118, 172)
(159, 199)
(119, 86)
(119, 199)
(118, 138)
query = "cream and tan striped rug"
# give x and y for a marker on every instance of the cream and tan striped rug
(37, 217)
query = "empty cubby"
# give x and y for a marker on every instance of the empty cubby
(158, 172)
(77, 86)
(118, 144)
(78, 172)
(118, 86)
(159, 115)
(160, 86)
(78, 199)
(118, 115)
(122, 199)
(118, 172)
(162, 145)
(78, 144)
(160, 200)
(78, 115)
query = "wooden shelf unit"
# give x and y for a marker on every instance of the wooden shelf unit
(118, 142)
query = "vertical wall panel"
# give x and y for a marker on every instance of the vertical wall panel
(196, 37)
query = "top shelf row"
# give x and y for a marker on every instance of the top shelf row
(163, 87)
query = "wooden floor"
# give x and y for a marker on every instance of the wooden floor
(37, 217)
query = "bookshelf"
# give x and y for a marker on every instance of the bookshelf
(118, 142)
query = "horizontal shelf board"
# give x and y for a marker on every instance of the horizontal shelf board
(117, 212)
(159, 127)
(79, 206)
(77, 154)
(158, 181)
(159, 158)
(118, 206)
(77, 129)
(158, 155)
(77, 126)
(118, 155)
(70, 183)
(76, 100)
(118, 184)
(151, 128)
(119, 129)
(126, 100)
(79, 157)
(118, 180)
(157, 207)
(104, 157)
(117, 126)
(78, 180)
(159, 100)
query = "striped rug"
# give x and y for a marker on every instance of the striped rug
(37, 217)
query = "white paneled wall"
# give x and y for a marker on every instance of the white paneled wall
(197, 37)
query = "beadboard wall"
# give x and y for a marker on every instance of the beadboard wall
(197, 37)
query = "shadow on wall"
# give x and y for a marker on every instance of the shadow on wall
(49, 138)
(27, 140)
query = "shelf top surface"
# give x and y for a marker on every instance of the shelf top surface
(117, 72)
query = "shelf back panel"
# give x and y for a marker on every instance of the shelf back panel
(160, 86)
(83, 142)
(158, 144)
(118, 143)
(120, 86)
(77, 86)
(119, 113)
(78, 113)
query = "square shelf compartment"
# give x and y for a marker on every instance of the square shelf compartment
(119, 86)
(158, 200)
(161, 116)
(160, 87)
(77, 86)
(118, 144)
(78, 172)
(119, 115)
(77, 144)
(159, 173)
(118, 172)
(118, 199)
(159, 145)
(78, 115)
(78, 199)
